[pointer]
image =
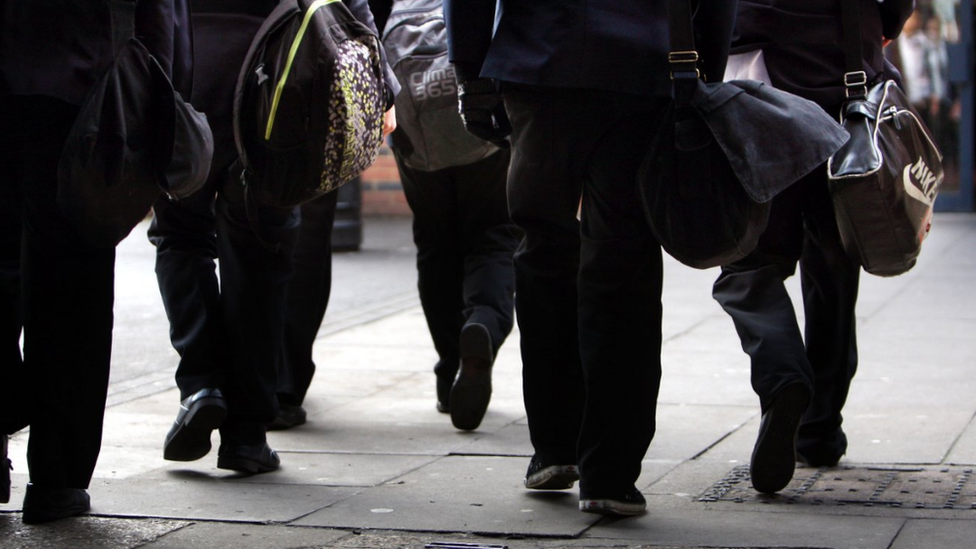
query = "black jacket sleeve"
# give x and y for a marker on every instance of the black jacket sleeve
(469, 27)
(360, 9)
(894, 13)
(381, 12)
(164, 27)
(714, 21)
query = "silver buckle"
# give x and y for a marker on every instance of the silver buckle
(682, 57)
(853, 80)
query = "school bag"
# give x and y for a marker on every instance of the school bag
(134, 140)
(309, 103)
(430, 135)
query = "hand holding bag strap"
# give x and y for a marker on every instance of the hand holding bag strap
(855, 79)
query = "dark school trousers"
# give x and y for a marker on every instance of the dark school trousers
(229, 334)
(308, 297)
(60, 291)
(588, 293)
(802, 230)
(465, 241)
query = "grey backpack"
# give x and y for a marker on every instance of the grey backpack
(429, 135)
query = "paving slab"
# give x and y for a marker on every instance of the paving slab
(246, 536)
(936, 534)
(731, 529)
(332, 381)
(380, 358)
(948, 295)
(937, 345)
(312, 469)
(510, 440)
(404, 330)
(685, 430)
(328, 434)
(682, 486)
(83, 533)
(17, 453)
(408, 403)
(460, 494)
(195, 495)
(713, 373)
(964, 451)
(18, 484)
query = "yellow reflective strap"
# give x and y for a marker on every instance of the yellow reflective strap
(291, 57)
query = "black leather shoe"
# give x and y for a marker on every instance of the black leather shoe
(472, 388)
(189, 437)
(258, 458)
(5, 468)
(824, 451)
(774, 456)
(288, 416)
(444, 386)
(48, 504)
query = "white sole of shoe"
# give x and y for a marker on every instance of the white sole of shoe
(554, 477)
(611, 507)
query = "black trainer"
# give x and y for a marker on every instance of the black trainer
(550, 477)
(472, 388)
(248, 459)
(628, 504)
(774, 456)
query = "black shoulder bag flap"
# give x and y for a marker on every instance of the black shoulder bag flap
(722, 152)
(134, 139)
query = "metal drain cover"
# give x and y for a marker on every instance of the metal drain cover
(911, 488)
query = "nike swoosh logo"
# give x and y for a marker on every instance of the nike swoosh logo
(911, 189)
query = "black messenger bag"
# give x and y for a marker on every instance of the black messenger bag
(722, 152)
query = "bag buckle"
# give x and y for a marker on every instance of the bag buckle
(684, 61)
(856, 84)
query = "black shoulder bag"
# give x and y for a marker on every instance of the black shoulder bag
(134, 140)
(722, 152)
(885, 180)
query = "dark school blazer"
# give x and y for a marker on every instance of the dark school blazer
(59, 48)
(615, 45)
(802, 42)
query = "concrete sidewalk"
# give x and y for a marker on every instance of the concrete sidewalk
(378, 466)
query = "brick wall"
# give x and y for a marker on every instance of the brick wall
(382, 192)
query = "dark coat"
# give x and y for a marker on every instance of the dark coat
(381, 12)
(614, 45)
(59, 48)
(802, 42)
